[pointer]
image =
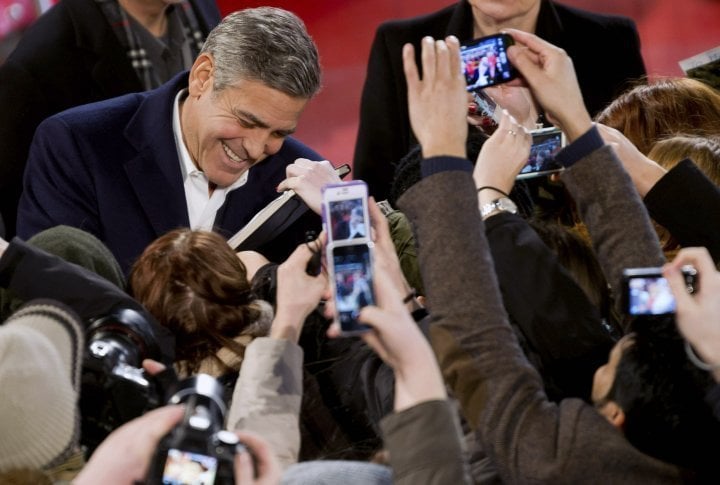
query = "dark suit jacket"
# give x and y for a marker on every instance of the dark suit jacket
(605, 51)
(111, 168)
(68, 57)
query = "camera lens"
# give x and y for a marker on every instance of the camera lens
(204, 393)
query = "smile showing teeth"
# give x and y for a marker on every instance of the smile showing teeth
(231, 154)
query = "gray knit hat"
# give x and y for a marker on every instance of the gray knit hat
(41, 349)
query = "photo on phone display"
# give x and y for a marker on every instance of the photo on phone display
(649, 295)
(345, 211)
(352, 281)
(184, 467)
(546, 142)
(647, 292)
(485, 62)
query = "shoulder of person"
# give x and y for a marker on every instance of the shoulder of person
(581, 18)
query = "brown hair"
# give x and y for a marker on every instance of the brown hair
(662, 108)
(195, 285)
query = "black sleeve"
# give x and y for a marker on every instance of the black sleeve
(32, 273)
(559, 324)
(687, 204)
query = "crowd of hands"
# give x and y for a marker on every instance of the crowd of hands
(438, 111)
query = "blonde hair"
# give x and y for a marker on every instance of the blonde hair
(703, 151)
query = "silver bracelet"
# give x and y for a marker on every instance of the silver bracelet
(696, 360)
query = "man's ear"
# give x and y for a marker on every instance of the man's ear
(201, 75)
(613, 413)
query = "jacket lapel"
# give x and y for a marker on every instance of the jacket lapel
(154, 173)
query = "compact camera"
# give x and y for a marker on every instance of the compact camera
(198, 450)
(485, 62)
(346, 220)
(647, 292)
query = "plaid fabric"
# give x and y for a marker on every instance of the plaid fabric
(118, 20)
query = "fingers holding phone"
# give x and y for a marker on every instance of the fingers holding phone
(503, 155)
(550, 74)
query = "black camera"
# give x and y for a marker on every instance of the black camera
(647, 292)
(115, 389)
(197, 450)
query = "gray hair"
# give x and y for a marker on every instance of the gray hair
(265, 44)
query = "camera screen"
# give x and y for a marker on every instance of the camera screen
(485, 62)
(649, 295)
(542, 154)
(353, 284)
(184, 467)
(347, 219)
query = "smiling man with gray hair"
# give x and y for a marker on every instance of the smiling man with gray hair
(207, 150)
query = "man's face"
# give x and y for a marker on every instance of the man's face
(228, 131)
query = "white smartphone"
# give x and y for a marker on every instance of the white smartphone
(345, 211)
(351, 275)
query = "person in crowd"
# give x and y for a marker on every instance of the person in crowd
(420, 401)
(206, 150)
(477, 351)
(666, 106)
(81, 51)
(697, 313)
(75, 246)
(126, 453)
(41, 348)
(384, 133)
(196, 286)
(681, 199)
(563, 316)
(703, 151)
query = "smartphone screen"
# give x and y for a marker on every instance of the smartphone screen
(345, 211)
(183, 467)
(485, 62)
(546, 142)
(352, 279)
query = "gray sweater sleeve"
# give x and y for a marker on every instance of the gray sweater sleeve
(615, 216)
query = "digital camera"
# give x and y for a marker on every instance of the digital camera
(197, 450)
(647, 292)
(115, 388)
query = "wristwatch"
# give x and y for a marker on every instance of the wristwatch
(503, 204)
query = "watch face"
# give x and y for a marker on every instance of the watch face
(507, 205)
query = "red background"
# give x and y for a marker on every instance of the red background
(670, 30)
